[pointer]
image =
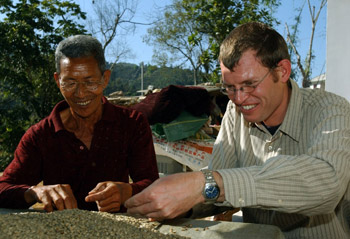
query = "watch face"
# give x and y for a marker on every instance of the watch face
(211, 191)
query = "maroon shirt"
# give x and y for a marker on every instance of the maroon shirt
(121, 146)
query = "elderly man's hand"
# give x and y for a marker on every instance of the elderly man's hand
(168, 197)
(109, 196)
(59, 196)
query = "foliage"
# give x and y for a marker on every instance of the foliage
(172, 34)
(29, 31)
(204, 24)
(127, 78)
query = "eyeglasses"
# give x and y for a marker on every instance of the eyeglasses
(231, 90)
(71, 85)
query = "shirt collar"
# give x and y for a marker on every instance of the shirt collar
(292, 120)
(107, 115)
(109, 112)
(55, 115)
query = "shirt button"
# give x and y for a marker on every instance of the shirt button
(81, 147)
(241, 201)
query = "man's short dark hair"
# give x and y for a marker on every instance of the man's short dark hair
(79, 46)
(269, 45)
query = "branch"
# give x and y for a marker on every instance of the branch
(309, 56)
(300, 66)
(114, 18)
(114, 31)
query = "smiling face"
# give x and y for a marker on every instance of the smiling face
(84, 100)
(269, 100)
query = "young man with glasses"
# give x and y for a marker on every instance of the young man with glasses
(87, 149)
(282, 154)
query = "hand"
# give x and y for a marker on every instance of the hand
(59, 196)
(109, 196)
(226, 216)
(168, 197)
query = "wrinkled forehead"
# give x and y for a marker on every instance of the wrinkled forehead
(247, 68)
(79, 67)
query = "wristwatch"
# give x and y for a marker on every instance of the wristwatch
(211, 190)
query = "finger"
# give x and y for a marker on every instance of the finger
(96, 194)
(66, 199)
(70, 201)
(105, 193)
(111, 207)
(154, 219)
(46, 200)
(155, 216)
(99, 187)
(114, 198)
(111, 201)
(135, 201)
(156, 210)
(143, 209)
(94, 197)
(57, 199)
(160, 215)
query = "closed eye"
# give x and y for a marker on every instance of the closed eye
(91, 83)
(250, 83)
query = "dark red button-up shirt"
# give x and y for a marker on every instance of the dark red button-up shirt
(121, 146)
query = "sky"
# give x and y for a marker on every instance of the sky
(141, 52)
(285, 14)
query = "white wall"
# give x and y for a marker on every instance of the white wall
(338, 47)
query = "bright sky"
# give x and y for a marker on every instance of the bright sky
(286, 13)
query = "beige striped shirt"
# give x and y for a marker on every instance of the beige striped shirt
(298, 178)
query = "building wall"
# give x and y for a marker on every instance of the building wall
(338, 47)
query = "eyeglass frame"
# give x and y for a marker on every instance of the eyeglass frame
(73, 88)
(230, 90)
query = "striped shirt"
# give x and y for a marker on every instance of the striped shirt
(298, 178)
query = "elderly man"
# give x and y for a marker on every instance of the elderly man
(282, 153)
(86, 149)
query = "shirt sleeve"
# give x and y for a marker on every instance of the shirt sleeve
(308, 181)
(142, 163)
(21, 173)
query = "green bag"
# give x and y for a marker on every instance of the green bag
(184, 126)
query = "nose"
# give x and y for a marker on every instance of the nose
(80, 89)
(239, 97)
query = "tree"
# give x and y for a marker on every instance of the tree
(304, 67)
(126, 78)
(30, 30)
(172, 34)
(113, 20)
(195, 28)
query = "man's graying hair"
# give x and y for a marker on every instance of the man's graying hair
(269, 45)
(79, 46)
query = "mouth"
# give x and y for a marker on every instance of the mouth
(248, 107)
(83, 103)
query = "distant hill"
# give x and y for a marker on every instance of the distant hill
(126, 77)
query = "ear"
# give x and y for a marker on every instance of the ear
(57, 79)
(284, 70)
(106, 77)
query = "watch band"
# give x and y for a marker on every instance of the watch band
(208, 174)
(211, 190)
